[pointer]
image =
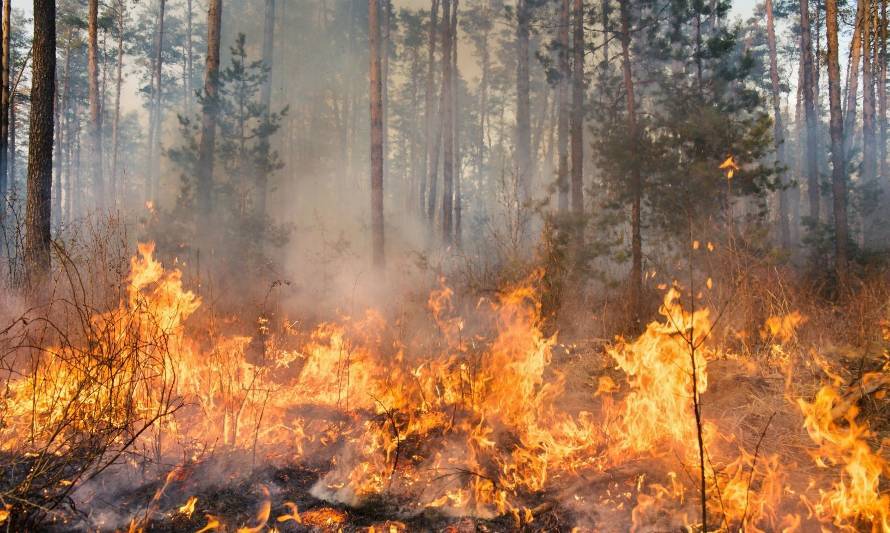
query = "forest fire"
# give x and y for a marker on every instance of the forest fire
(467, 424)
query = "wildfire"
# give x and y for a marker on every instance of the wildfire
(469, 423)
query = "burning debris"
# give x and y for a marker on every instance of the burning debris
(395, 433)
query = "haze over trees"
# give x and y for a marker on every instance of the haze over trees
(590, 133)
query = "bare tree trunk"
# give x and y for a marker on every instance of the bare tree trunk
(778, 127)
(385, 46)
(565, 74)
(266, 100)
(455, 109)
(115, 126)
(208, 114)
(485, 60)
(838, 174)
(40, 145)
(151, 189)
(636, 270)
(853, 82)
(523, 106)
(429, 173)
(882, 93)
(5, 66)
(95, 112)
(869, 146)
(447, 128)
(189, 91)
(809, 93)
(578, 109)
(376, 96)
(62, 135)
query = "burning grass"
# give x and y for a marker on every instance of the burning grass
(481, 417)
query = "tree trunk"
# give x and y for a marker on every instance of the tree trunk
(869, 145)
(485, 60)
(809, 97)
(40, 145)
(853, 82)
(385, 46)
(189, 92)
(151, 191)
(208, 114)
(115, 126)
(376, 97)
(266, 100)
(778, 127)
(565, 74)
(429, 173)
(578, 109)
(447, 128)
(456, 112)
(523, 106)
(882, 94)
(95, 112)
(62, 135)
(838, 174)
(4, 104)
(636, 185)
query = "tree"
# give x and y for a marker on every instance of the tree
(266, 99)
(40, 148)
(95, 112)
(6, 35)
(155, 105)
(577, 125)
(447, 114)
(209, 113)
(778, 127)
(376, 96)
(562, 179)
(523, 119)
(120, 16)
(810, 113)
(838, 174)
(429, 173)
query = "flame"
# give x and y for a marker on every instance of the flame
(188, 507)
(213, 524)
(292, 514)
(856, 495)
(730, 166)
(783, 327)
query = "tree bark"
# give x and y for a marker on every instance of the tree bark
(882, 94)
(266, 100)
(565, 74)
(853, 82)
(869, 144)
(5, 66)
(636, 185)
(208, 114)
(429, 173)
(778, 127)
(376, 97)
(447, 128)
(523, 106)
(578, 108)
(838, 174)
(188, 59)
(40, 146)
(115, 126)
(809, 93)
(456, 112)
(95, 111)
(151, 184)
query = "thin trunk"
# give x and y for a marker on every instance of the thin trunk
(869, 145)
(882, 93)
(778, 127)
(809, 94)
(208, 117)
(159, 107)
(95, 112)
(386, 13)
(565, 75)
(376, 97)
(40, 145)
(456, 112)
(154, 105)
(429, 103)
(115, 126)
(853, 82)
(266, 100)
(485, 59)
(838, 174)
(523, 118)
(636, 185)
(5, 66)
(188, 59)
(578, 109)
(63, 134)
(447, 127)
